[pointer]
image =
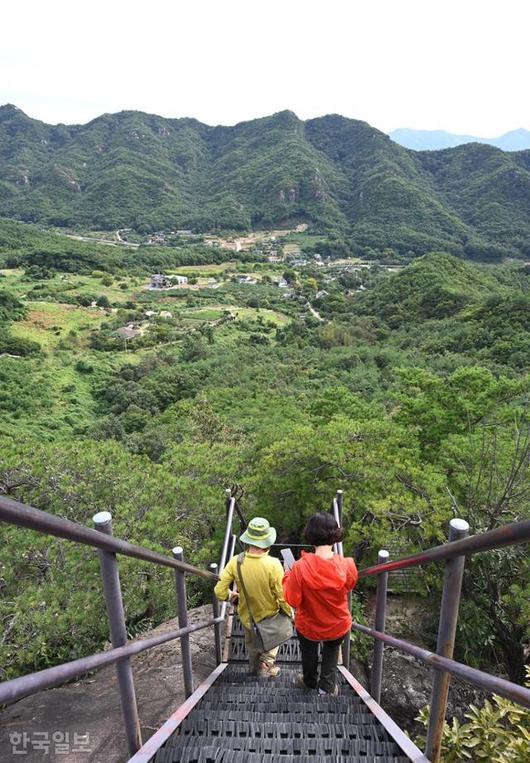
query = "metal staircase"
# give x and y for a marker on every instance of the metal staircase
(242, 719)
(234, 718)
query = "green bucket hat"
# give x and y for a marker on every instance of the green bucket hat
(259, 533)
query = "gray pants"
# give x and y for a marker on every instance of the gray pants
(255, 656)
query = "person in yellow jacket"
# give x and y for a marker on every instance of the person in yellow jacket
(262, 575)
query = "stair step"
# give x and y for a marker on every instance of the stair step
(288, 652)
(202, 724)
(287, 692)
(298, 747)
(285, 704)
(306, 716)
(216, 754)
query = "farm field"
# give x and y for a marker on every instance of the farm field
(49, 322)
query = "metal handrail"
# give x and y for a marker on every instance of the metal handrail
(487, 681)
(17, 688)
(19, 514)
(454, 553)
(509, 535)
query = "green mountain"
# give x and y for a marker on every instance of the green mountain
(138, 170)
(433, 286)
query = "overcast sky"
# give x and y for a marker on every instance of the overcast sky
(459, 65)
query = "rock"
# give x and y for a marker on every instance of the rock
(406, 689)
(92, 705)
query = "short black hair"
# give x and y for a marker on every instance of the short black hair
(322, 530)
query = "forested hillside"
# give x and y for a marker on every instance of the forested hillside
(342, 176)
(408, 390)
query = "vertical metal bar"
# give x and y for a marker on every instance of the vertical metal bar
(454, 571)
(224, 605)
(346, 641)
(217, 626)
(118, 633)
(339, 505)
(230, 506)
(182, 612)
(380, 617)
(336, 508)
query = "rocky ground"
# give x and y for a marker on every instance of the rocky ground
(407, 683)
(92, 705)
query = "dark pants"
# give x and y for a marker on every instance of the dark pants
(328, 669)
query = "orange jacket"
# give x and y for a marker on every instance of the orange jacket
(318, 589)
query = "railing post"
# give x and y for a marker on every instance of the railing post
(118, 633)
(340, 493)
(380, 617)
(454, 571)
(339, 549)
(217, 627)
(182, 612)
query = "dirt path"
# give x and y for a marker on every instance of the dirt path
(315, 313)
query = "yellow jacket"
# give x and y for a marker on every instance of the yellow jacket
(263, 580)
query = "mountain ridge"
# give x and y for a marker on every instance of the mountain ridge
(343, 176)
(435, 140)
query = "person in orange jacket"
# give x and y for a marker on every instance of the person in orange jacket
(317, 586)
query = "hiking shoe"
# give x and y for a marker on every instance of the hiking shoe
(267, 671)
(333, 693)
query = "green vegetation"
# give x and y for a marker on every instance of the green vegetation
(499, 732)
(407, 389)
(378, 199)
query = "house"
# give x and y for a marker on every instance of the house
(213, 284)
(322, 293)
(165, 314)
(128, 332)
(246, 279)
(180, 279)
(149, 313)
(159, 281)
(184, 233)
(281, 283)
(158, 238)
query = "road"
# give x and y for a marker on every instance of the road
(106, 241)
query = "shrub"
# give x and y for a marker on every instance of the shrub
(497, 732)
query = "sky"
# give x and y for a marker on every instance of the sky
(461, 65)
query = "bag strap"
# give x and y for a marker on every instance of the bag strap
(239, 572)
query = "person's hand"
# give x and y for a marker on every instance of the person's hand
(233, 596)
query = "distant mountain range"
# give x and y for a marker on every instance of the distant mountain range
(344, 177)
(434, 140)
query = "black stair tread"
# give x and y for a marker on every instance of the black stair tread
(288, 652)
(286, 687)
(217, 755)
(279, 746)
(246, 719)
(203, 724)
(254, 716)
(328, 705)
(284, 693)
(339, 705)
